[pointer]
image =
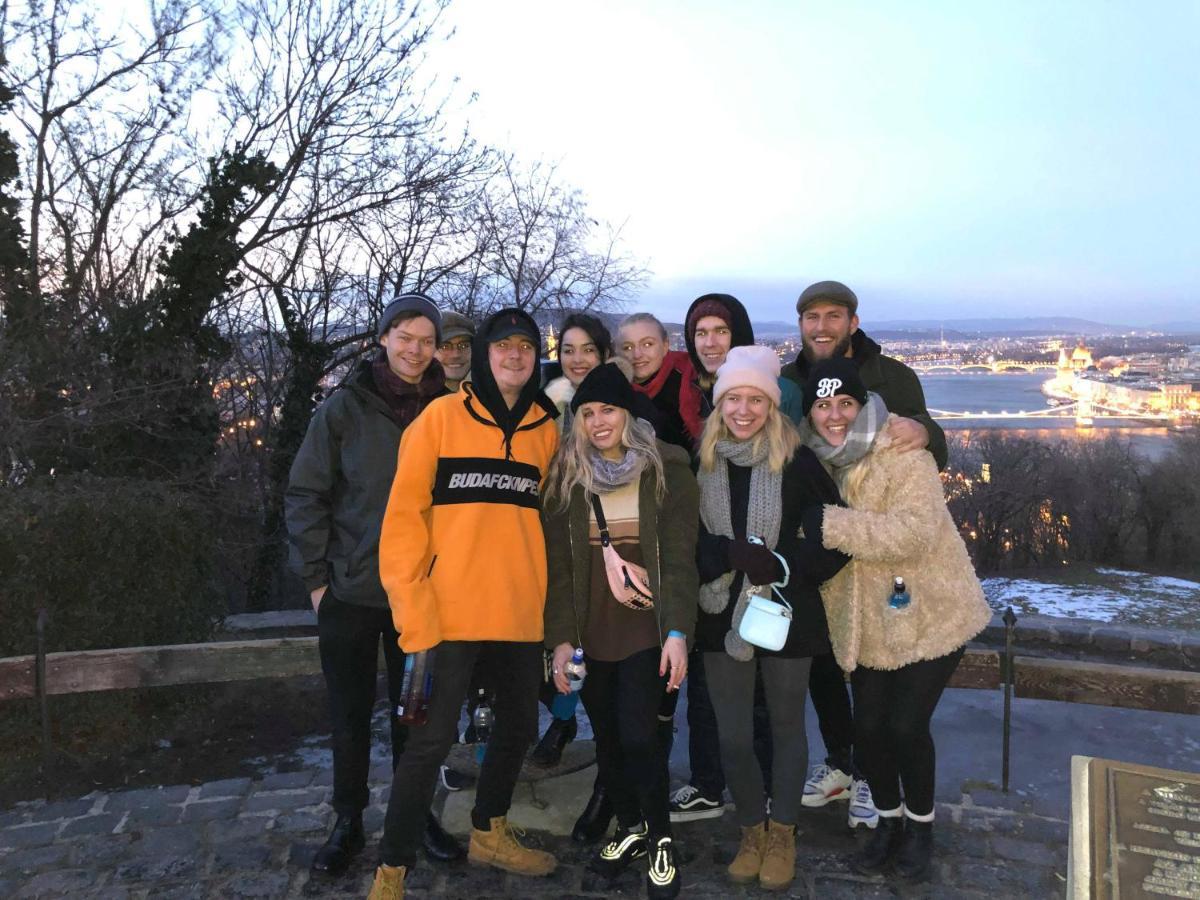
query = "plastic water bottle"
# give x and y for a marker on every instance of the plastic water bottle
(576, 670)
(417, 688)
(900, 598)
(482, 718)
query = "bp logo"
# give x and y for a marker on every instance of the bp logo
(827, 387)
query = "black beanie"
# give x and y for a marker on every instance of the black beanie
(830, 377)
(605, 384)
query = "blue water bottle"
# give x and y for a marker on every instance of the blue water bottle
(900, 598)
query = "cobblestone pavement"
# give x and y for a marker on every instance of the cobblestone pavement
(255, 838)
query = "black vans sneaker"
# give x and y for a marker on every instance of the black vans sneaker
(627, 844)
(689, 804)
(662, 878)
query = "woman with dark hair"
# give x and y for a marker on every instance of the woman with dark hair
(583, 344)
(614, 487)
(900, 613)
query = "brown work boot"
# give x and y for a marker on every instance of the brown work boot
(779, 857)
(749, 859)
(499, 848)
(389, 883)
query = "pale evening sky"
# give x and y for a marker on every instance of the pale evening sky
(945, 159)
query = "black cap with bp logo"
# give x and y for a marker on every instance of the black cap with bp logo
(831, 377)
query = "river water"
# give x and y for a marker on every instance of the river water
(1015, 392)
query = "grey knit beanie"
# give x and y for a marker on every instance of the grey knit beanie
(415, 303)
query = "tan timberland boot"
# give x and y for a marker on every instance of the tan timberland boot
(389, 883)
(500, 848)
(779, 857)
(748, 862)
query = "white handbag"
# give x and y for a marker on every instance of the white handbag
(766, 623)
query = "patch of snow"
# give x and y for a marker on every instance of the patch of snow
(1162, 583)
(1065, 600)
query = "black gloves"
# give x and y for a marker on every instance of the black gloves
(756, 560)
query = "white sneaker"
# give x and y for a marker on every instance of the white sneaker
(826, 784)
(862, 805)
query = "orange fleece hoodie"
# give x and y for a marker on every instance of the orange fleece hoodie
(461, 555)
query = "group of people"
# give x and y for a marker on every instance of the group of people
(652, 508)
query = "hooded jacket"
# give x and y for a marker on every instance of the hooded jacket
(901, 527)
(742, 335)
(892, 380)
(462, 556)
(667, 535)
(338, 486)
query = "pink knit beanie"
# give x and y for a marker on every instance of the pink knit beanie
(751, 366)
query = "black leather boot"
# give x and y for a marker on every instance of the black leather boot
(881, 847)
(550, 748)
(440, 844)
(916, 850)
(343, 843)
(593, 823)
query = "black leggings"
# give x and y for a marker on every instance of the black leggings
(622, 701)
(892, 742)
(831, 702)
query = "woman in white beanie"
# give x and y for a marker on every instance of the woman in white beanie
(755, 479)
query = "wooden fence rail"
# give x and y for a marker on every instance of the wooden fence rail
(1073, 681)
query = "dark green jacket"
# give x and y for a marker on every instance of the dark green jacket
(892, 380)
(338, 490)
(668, 539)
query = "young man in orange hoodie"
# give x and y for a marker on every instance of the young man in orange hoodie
(463, 560)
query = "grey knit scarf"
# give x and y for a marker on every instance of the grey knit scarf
(860, 436)
(763, 515)
(610, 474)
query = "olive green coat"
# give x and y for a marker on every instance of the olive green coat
(667, 535)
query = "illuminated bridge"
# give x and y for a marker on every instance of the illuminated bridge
(1084, 412)
(997, 367)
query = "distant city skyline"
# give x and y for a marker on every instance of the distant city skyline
(944, 160)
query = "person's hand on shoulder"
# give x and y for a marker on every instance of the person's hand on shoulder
(907, 434)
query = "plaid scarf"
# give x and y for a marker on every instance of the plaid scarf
(406, 400)
(860, 436)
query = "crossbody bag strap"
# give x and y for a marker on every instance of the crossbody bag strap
(605, 540)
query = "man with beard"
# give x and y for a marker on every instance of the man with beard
(828, 313)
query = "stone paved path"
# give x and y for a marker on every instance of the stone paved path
(255, 838)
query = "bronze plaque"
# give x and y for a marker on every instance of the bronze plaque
(1145, 831)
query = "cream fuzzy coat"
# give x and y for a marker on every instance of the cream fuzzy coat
(899, 526)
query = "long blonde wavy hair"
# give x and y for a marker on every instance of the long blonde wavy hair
(779, 433)
(572, 464)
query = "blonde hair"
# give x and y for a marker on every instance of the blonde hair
(645, 318)
(779, 433)
(572, 464)
(849, 481)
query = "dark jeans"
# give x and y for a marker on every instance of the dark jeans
(891, 729)
(348, 638)
(518, 671)
(622, 701)
(704, 746)
(831, 702)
